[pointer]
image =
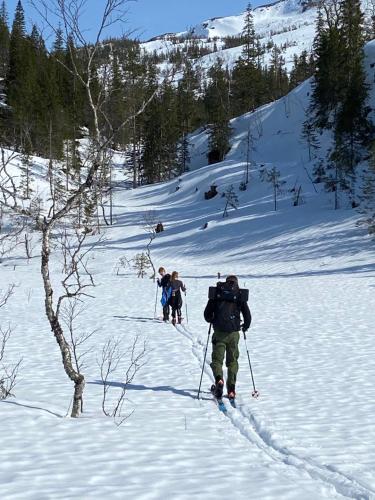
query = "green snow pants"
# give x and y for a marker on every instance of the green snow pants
(224, 343)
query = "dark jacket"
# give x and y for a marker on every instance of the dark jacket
(176, 299)
(164, 281)
(225, 316)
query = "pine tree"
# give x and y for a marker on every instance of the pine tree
(303, 68)
(160, 134)
(340, 93)
(277, 77)
(369, 190)
(151, 154)
(189, 113)
(328, 81)
(134, 70)
(169, 130)
(4, 40)
(15, 81)
(25, 84)
(72, 92)
(115, 104)
(45, 108)
(310, 137)
(249, 51)
(231, 200)
(352, 124)
(189, 108)
(182, 155)
(217, 108)
(246, 77)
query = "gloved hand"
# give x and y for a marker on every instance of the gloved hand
(244, 329)
(158, 281)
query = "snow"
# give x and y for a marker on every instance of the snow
(311, 275)
(267, 18)
(282, 22)
(310, 435)
(288, 22)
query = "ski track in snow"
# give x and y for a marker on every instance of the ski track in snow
(251, 429)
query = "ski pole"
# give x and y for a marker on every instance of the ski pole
(186, 310)
(255, 393)
(156, 298)
(204, 361)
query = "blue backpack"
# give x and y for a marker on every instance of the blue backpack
(166, 294)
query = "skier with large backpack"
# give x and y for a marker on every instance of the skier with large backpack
(165, 283)
(223, 310)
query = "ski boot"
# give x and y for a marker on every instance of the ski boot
(231, 392)
(217, 389)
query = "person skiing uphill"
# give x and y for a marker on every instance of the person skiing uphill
(175, 300)
(224, 312)
(164, 283)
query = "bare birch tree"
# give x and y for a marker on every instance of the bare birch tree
(69, 13)
(8, 372)
(150, 220)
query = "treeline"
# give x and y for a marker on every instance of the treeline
(339, 100)
(48, 111)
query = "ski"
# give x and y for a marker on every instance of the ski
(159, 319)
(176, 323)
(220, 405)
(232, 402)
(219, 401)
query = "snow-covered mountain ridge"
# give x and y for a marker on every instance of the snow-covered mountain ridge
(267, 19)
(288, 22)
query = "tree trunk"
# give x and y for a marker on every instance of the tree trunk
(77, 378)
(275, 196)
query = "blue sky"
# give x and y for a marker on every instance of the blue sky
(154, 17)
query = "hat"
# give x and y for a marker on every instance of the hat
(232, 278)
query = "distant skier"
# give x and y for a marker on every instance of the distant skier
(165, 283)
(224, 312)
(175, 300)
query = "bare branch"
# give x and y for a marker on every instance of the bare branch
(6, 295)
(111, 361)
(73, 283)
(69, 313)
(150, 220)
(8, 373)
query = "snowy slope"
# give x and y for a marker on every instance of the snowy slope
(276, 17)
(311, 275)
(310, 271)
(286, 22)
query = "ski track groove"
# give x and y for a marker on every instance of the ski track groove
(251, 429)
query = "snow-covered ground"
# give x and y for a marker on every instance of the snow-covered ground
(311, 275)
(310, 435)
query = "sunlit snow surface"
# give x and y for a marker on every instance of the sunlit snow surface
(284, 23)
(311, 275)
